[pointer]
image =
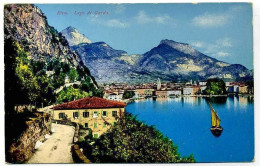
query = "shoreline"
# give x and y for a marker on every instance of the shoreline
(204, 96)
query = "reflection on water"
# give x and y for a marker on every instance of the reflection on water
(187, 121)
(236, 100)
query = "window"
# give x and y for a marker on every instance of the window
(95, 135)
(61, 115)
(114, 113)
(75, 115)
(104, 113)
(86, 125)
(104, 125)
(95, 114)
(85, 114)
(95, 124)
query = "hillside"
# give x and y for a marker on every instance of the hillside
(38, 59)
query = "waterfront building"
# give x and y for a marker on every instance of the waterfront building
(187, 91)
(94, 113)
(174, 93)
(196, 90)
(243, 89)
(144, 92)
(161, 93)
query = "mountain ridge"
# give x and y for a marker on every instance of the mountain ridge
(169, 60)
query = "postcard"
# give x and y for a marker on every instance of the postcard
(129, 83)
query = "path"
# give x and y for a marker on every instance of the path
(56, 149)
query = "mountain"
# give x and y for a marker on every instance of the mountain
(170, 61)
(74, 37)
(181, 61)
(106, 63)
(47, 50)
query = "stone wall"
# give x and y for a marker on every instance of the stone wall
(36, 128)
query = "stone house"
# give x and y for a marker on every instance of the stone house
(144, 92)
(95, 113)
(161, 93)
(243, 89)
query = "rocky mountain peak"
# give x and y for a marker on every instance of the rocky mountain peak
(74, 37)
(182, 47)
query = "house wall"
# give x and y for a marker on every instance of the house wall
(100, 120)
(187, 91)
(144, 92)
(174, 92)
(242, 89)
(195, 90)
(161, 93)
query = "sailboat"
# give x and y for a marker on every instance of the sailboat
(215, 129)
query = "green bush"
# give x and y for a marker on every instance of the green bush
(215, 87)
(131, 141)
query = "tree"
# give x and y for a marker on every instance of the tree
(131, 141)
(24, 72)
(69, 94)
(215, 87)
(128, 94)
(59, 80)
(73, 75)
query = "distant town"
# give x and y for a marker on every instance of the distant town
(116, 91)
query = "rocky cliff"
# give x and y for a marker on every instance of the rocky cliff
(35, 129)
(74, 37)
(28, 25)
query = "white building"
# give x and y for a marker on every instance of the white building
(174, 93)
(115, 97)
(187, 91)
(203, 83)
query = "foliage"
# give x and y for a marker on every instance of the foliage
(131, 141)
(24, 73)
(73, 75)
(69, 94)
(27, 82)
(128, 94)
(59, 80)
(215, 87)
(88, 86)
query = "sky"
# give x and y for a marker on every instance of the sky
(220, 30)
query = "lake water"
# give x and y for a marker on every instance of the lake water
(187, 121)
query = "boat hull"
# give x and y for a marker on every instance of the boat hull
(216, 131)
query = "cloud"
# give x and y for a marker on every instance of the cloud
(209, 20)
(198, 44)
(225, 42)
(221, 54)
(143, 18)
(113, 23)
(120, 8)
(219, 48)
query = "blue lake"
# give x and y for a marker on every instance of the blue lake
(187, 121)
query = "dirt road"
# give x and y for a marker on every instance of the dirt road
(57, 148)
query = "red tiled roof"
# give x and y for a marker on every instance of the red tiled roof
(90, 103)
